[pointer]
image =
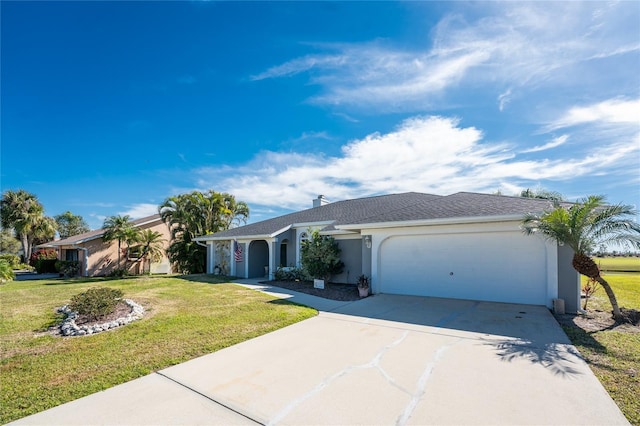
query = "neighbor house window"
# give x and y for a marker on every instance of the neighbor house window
(71, 255)
(135, 252)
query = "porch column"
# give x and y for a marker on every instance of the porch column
(272, 257)
(211, 256)
(85, 259)
(232, 260)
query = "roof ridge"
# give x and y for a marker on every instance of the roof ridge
(376, 196)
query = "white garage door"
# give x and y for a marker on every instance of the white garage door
(500, 267)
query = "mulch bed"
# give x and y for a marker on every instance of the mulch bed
(594, 321)
(342, 292)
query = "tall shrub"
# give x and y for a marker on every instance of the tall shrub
(44, 261)
(6, 273)
(320, 256)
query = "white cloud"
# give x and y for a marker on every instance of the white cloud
(555, 142)
(503, 99)
(299, 65)
(136, 211)
(612, 111)
(305, 136)
(515, 44)
(426, 154)
(346, 117)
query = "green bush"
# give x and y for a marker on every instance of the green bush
(96, 302)
(320, 256)
(12, 259)
(290, 274)
(69, 268)
(118, 273)
(6, 272)
(45, 266)
(24, 267)
(44, 260)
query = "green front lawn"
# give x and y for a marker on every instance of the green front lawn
(185, 318)
(614, 355)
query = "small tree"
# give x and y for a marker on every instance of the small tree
(321, 256)
(583, 226)
(589, 289)
(118, 228)
(151, 247)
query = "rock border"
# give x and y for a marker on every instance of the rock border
(69, 328)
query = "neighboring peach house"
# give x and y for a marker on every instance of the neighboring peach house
(98, 258)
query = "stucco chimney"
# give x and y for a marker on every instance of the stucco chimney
(320, 201)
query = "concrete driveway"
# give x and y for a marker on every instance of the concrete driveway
(382, 360)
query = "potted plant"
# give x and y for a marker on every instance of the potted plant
(363, 285)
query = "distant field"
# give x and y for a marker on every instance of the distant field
(618, 264)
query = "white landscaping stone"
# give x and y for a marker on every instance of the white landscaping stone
(70, 328)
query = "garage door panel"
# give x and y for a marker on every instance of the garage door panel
(504, 267)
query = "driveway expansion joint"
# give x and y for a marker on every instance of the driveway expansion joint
(240, 413)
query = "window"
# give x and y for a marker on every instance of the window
(135, 252)
(283, 253)
(71, 255)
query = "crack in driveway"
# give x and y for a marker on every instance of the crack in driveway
(374, 363)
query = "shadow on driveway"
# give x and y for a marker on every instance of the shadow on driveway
(513, 331)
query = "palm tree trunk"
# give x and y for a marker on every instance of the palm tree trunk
(119, 254)
(617, 315)
(25, 248)
(587, 267)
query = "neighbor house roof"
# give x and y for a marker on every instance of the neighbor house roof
(405, 207)
(95, 234)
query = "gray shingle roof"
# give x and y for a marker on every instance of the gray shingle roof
(409, 206)
(97, 233)
(462, 204)
(342, 212)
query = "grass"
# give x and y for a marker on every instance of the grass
(614, 356)
(185, 318)
(618, 264)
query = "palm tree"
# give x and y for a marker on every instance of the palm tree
(195, 214)
(23, 212)
(235, 213)
(43, 230)
(542, 194)
(151, 246)
(118, 228)
(584, 226)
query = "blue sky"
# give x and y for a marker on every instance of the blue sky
(110, 107)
